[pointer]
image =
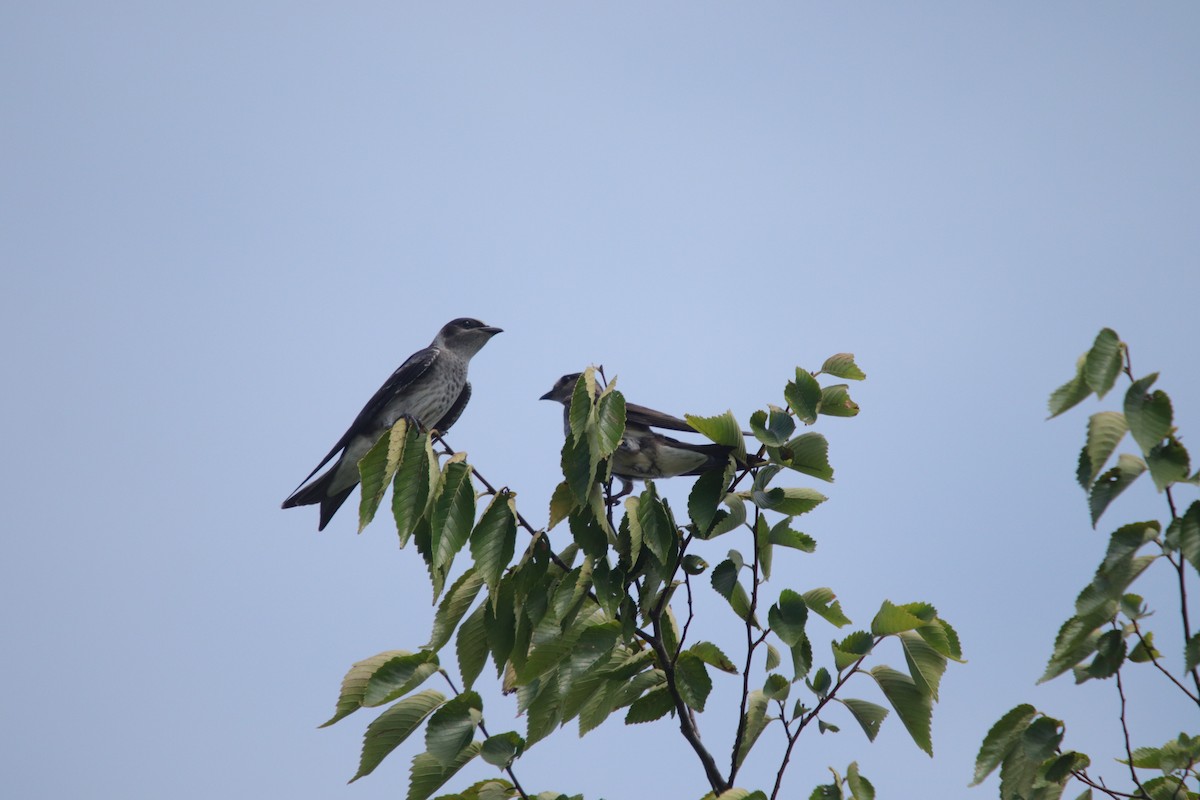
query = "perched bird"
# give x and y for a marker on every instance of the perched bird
(429, 388)
(643, 453)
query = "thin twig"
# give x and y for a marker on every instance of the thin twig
(483, 729)
(1125, 731)
(1149, 648)
(1083, 777)
(750, 646)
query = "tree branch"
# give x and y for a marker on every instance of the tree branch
(483, 729)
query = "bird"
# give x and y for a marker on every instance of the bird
(430, 388)
(644, 453)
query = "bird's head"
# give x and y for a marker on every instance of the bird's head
(563, 388)
(465, 335)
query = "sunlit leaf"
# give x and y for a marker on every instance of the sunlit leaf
(723, 429)
(842, 365)
(393, 726)
(493, 541)
(836, 402)
(869, 715)
(354, 685)
(398, 676)
(803, 396)
(453, 606)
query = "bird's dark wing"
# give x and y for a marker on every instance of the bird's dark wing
(640, 415)
(451, 416)
(414, 367)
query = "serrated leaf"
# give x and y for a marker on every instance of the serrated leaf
(411, 486)
(471, 645)
(733, 519)
(494, 539)
(610, 426)
(710, 654)
(772, 660)
(452, 516)
(453, 606)
(869, 715)
(913, 706)
(543, 713)
(376, 468)
(894, 619)
(925, 664)
(649, 707)
(1000, 740)
(502, 749)
(354, 685)
(1071, 393)
(1169, 463)
(658, 535)
(692, 680)
(1148, 413)
(836, 402)
(782, 535)
(772, 427)
(842, 365)
(851, 649)
(705, 497)
(803, 396)
(582, 406)
(1021, 770)
(452, 727)
(1189, 535)
(578, 468)
(427, 775)
(788, 617)
(1102, 363)
(1104, 432)
(725, 582)
(1116, 480)
(562, 502)
(860, 787)
(1076, 640)
(1110, 655)
(393, 726)
(820, 682)
(722, 429)
(398, 676)
(823, 602)
(1060, 769)
(777, 687)
(792, 501)
(755, 721)
(808, 453)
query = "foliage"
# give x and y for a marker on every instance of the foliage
(1109, 632)
(602, 620)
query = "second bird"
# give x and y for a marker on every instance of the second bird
(430, 387)
(644, 453)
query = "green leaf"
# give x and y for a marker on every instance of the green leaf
(543, 713)
(792, 501)
(808, 453)
(1071, 393)
(427, 774)
(726, 522)
(1060, 769)
(803, 396)
(579, 469)
(494, 539)
(777, 687)
(472, 645)
(657, 532)
(772, 660)
(860, 787)
(1169, 463)
(710, 654)
(694, 564)
(692, 680)
(705, 497)
(1110, 655)
(452, 517)
(453, 606)
(452, 727)
(925, 664)
(1104, 433)
(354, 685)
(836, 402)
(724, 580)
(782, 535)
(412, 483)
(912, 705)
(376, 468)
(894, 619)
(851, 649)
(398, 676)
(1021, 770)
(649, 707)
(842, 365)
(824, 604)
(869, 715)
(611, 422)
(723, 429)
(1148, 413)
(583, 404)
(562, 502)
(1076, 640)
(1189, 535)
(1109, 485)
(755, 721)
(772, 427)
(502, 749)
(820, 682)
(788, 617)
(1102, 363)
(393, 726)
(1001, 739)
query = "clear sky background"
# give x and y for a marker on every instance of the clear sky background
(224, 224)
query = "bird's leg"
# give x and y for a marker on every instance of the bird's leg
(626, 488)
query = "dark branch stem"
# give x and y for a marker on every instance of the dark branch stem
(750, 646)
(1149, 648)
(1125, 732)
(483, 729)
(1083, 777)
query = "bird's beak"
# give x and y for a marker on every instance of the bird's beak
(547, 395)
(491, 330)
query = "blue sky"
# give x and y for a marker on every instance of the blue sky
(224, 224)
